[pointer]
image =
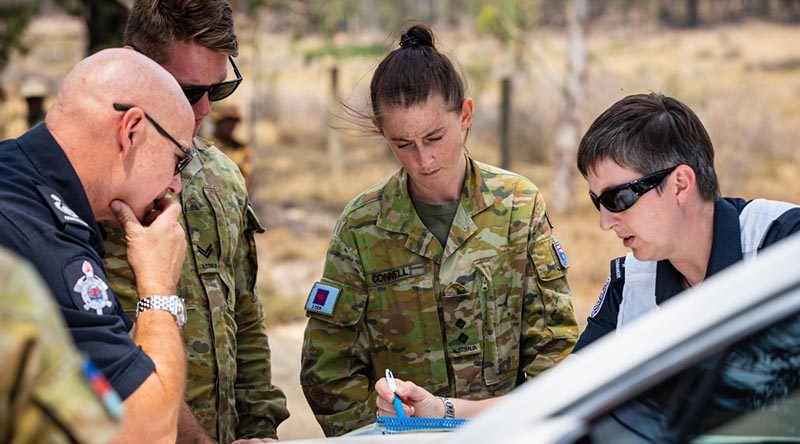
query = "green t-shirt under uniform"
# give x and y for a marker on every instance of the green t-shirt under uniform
(437, 218)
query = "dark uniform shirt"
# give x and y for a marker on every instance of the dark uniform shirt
(45, 217)
(726, 250)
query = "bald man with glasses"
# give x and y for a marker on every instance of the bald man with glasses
(109, 152)
(229, 393)
(649, 163)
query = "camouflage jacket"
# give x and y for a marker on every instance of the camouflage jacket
(229, 386)
(45, 396)
(241, 155)
(471, 320)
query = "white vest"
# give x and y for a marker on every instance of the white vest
(639, 291)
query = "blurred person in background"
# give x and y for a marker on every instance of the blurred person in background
(110, 151)
(649, 163)
(48, 392)
(229, 393)
(226, 118)
(34, 91)
(447, 273)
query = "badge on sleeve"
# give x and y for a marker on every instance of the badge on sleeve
(562, 257)
(322, 299)
(90, 291)
(102, 388)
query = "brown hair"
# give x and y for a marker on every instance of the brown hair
(154, 24)
(651, 132)
(413, 73)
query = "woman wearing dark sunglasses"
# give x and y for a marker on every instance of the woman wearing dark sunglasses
(650, 167)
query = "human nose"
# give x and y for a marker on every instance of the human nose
(175, 185)
(607, 219)
(202, 107)
(425, 157)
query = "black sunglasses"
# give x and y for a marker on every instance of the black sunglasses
(216, 91)
(622, 197)
(182, 162)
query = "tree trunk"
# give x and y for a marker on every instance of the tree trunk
(573, 91)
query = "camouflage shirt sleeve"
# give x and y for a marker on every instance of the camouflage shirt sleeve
(260, 405)
(549, 326)
(336, 360)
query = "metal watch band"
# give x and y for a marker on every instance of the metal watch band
(449, 407)
(172, 304)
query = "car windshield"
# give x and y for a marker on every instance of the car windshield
(747, 393)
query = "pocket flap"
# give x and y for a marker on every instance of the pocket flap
(334, 303)
(548, 265)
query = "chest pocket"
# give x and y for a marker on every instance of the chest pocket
(402, 322)
(211, 246)
(498, 283)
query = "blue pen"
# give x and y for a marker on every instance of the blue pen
(398, 405)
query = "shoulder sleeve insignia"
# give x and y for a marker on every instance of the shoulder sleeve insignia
(60, 208)
(560, 254)
(599, 303)
(322, 299)
(90, 291)
(103, 389)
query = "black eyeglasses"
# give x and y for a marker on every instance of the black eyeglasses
(622, 197)
(182, 162)
(216, 91)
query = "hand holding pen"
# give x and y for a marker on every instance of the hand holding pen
(413, 400)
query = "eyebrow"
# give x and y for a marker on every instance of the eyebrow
(429, 134)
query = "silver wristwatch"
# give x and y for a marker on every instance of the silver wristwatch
(449, 407)
(172, 304)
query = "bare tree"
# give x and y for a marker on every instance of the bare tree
(573, 92)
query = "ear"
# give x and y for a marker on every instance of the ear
(467, 107)
(130, 128)
(685, 181)
(377, 125)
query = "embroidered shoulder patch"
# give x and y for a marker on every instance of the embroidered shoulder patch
(599, 303)
(322, 299)
(89, 288)
(562, 257)
(60, 208)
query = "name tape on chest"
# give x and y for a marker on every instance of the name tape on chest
(397, 274)
(322, 299)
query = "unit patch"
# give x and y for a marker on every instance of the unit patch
(90, 291)
(322, 299)
(389, 276)
(562, 257)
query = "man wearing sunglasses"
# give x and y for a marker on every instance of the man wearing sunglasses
(109, 152)
(229, 394)
(650, 167)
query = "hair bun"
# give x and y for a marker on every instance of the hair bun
(417, 35)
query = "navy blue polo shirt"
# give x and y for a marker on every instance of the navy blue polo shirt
(46, 218)
(726, 250)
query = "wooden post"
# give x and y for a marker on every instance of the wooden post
(505, 123)
(334, 138)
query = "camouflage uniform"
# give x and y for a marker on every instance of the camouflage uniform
(45, 395)
(240, 154)
(471, 320)
(229, 386)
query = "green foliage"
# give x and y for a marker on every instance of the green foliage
(14, 18)
(343, 52)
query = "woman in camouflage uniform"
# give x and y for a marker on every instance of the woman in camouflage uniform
(447, 272)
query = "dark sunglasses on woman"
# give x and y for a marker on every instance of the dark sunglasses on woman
(622, 197)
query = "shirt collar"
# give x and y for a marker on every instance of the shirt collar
(52, 163)
(726, 250)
